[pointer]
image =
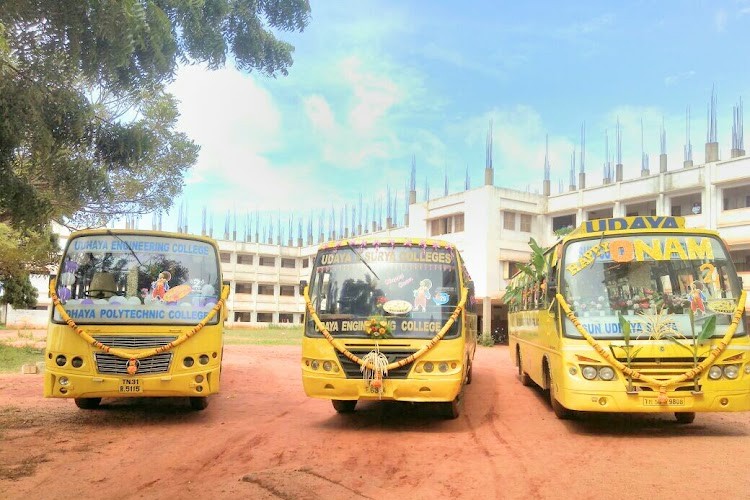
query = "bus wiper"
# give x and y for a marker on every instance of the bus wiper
(127, 245)
(362, 259)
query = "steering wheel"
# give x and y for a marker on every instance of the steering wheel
(102, 293)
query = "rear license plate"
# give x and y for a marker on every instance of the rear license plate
(670, 402)
(130, 385)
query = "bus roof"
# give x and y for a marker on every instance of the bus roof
(383, 240)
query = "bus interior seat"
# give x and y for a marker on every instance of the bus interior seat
(103, 286)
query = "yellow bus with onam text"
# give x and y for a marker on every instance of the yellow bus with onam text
(389, 319)
(633, 314)
(136, 314)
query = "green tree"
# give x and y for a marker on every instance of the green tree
(86, 129)
(19, 292)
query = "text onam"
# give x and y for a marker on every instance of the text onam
(675, 248)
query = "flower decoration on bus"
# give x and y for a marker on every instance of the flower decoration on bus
(377, 327)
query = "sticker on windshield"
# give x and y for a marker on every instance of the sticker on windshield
(422, 295)
(441, 298)
(397, 307)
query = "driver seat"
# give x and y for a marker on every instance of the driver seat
(103, 286)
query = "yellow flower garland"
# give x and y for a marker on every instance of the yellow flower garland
(662, 384)
(128, 355)
(396, 364)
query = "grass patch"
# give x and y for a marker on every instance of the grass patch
(11, 358)
(264, 336)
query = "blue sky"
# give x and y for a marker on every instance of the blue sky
(375, 83)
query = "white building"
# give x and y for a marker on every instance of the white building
(491, 226)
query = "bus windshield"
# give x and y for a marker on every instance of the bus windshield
(654, 281)
(415, 289)
(137, 279)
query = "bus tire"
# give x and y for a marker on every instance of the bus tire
(685, 417)
(344, 405)
(560, 411)
(452, 409)
(88, 403)
(198, 403)
(522, 375)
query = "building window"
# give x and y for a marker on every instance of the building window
(243, 287)
(563, 222)
(267, 261)
(287, 290)
(265, 317)
(242, 317)
(265, 289)
(509, 221)
(458, 223)
(676, 211)
(289, 263)
(244, 258)
(305, 263)
(286, 318)
(526, 223)
(226, 257)
(513, 268)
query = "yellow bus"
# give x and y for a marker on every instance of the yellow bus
(389, 319)
(135, 314)
(633, 314)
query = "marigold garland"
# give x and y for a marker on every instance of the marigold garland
(129, 355)
(377, 327)
(662, 384)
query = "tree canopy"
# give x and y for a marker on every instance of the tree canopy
(87, 131)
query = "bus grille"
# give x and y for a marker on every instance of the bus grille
(132, 342)
(111, 364)
(352, 369)
(662, 369)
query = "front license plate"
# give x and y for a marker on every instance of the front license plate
(130, 385)
(670, 402)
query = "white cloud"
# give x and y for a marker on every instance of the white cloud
(319, 113)
(677, 78)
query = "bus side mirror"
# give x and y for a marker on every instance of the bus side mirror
(470, 287)
(302, 285)
(552, 285)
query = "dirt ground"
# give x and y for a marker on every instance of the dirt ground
(263, 438)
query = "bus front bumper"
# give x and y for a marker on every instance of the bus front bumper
(69, 385)
(411, 389)
(648, 402)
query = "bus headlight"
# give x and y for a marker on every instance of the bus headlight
(606, 373)
(327, 366)
(443, 367)
(714, 373)
(60, 360)
(428, 367)
(203, 359)
(588, 372)
(314, 364)
(188, 362)
(76, 362)
(731, 371)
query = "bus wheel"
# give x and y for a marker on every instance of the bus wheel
(88, 403)
(468, 374)
(452, 409)
(560, 411)
(522, 375)
(198, 403)
(344, 405)
(685, 417)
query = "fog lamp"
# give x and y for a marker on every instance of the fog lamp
(64, 381)
(199, 378)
